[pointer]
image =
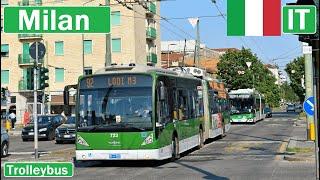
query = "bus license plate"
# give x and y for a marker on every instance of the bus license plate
(114, 156)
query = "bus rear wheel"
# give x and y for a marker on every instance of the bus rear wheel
(175, 149)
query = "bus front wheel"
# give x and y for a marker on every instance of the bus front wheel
(175, 149)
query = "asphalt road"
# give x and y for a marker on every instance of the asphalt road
(17, 146)
(247, 152)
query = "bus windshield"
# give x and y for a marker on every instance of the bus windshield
(116, 108)
(240, 106)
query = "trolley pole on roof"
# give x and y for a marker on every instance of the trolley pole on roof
(198, 45)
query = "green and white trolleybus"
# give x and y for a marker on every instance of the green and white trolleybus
(216, 114)
(132, 112)
(247, 105)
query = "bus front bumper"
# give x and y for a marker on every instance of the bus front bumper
(242, 120)
(143, 154)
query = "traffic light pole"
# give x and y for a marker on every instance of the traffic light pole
(108, 43)
(35, 114)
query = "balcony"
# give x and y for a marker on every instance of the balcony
(26, 60)
(30, 3)
(151, 33)
(23, 86)
(152, 8)
(152, 57)
(29, 36)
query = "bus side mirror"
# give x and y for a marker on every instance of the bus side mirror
(66, 96)
(66, 93)
(162, 93)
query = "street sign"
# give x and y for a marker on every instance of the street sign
(308, 106)
(299, 19)
(57, 19)
(41, 50)
(307, 49)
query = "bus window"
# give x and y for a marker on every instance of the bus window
(162, 103)
(182, 104)
(192, 104)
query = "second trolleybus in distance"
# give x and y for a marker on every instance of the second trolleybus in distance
(137, 112)
(247, 105)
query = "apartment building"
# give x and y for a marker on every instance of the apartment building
(135, 38)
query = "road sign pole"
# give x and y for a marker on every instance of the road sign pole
(35, 113)
(309, 87)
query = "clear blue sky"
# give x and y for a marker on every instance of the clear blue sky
(213, 30)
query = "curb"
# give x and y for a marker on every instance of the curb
(15, 133)
(282, 149)
(300, 159)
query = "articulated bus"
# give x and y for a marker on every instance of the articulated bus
(216, 109)
(136, 113)
(247, 105)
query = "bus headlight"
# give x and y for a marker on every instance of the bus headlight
(81, 141)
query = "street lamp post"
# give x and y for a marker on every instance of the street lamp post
(168, 65)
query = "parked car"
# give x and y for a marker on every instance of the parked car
(47, 125)
(299, 108)
(66, 131)
(268, 112)
(4, 142)
(291, 108)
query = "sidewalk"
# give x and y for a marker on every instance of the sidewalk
(299, 148)
(17, 131)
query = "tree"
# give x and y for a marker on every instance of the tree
(295, 71)
(233, 69)
(288, 94)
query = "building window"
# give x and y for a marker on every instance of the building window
(115, 18)
(4, 76)
(116, 45)
(87, 45)
(87, 70)
(4, 50)
(13, 99)
(58, 48)
(4, 2)
(59, 74)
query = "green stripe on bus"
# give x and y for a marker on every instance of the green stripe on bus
(236, 18)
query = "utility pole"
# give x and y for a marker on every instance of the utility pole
(108, 43)
(316, 54)
(198, 44)
(307, 53)
(35, 97)
(184, 51)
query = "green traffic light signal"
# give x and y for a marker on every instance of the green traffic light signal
(29, 78)
(43, 78)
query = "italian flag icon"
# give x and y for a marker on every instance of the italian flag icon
(254, 17)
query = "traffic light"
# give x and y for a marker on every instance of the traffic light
(3, 93)
(30, 78)
(46, 98)
(39, 98)
(43, 78)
